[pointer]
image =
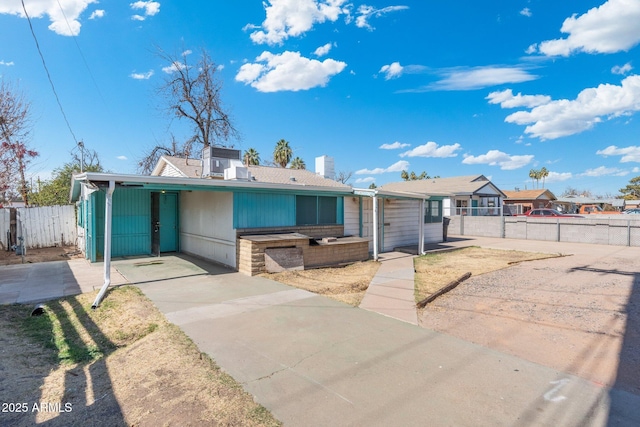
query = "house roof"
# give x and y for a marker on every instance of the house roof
(187, 168)
(192, 168)
(453, 186)
(170, 183)
(529, 195)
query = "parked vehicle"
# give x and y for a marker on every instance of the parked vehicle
(548, 213)
(595, 209)
(634, 211)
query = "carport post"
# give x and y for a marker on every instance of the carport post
(375, 228)
(421, 228)
(107, 243)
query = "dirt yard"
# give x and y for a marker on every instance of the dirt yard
(577, 315)
(39, 255)
(120, 365)
(346, 284)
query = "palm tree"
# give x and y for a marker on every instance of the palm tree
(298, 163)
(251, 157)
(533, 174)
(282, 153)
(543, 174)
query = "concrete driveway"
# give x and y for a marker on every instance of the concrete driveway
(313, 361)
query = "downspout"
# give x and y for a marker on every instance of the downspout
(421, 229)
(375, 228)
(107, 243)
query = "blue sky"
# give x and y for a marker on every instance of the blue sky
(448, 87)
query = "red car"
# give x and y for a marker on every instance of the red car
(549, 213)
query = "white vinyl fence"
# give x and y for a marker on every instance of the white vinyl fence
(41, 227)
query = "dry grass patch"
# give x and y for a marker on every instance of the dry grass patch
(433, 271)
(346, 284)
(120, 365)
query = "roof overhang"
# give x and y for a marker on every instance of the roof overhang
(371, 192)
(167, 183)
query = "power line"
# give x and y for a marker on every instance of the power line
(75, 39)
(44, 64)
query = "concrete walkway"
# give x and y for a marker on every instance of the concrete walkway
(31, 283)
(391, 292)
(313, 361)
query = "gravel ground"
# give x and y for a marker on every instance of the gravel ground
(577, 314)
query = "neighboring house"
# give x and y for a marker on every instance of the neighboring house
(521, 201)
(631, 204)
(177, 209)
(462, 195)
(572, 203)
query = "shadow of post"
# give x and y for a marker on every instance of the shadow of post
(84, 395)
(625, 394)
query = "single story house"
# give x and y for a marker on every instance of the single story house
(521, 201)
(631, 203)
(571, 204)
(462, 195)
(217, 209)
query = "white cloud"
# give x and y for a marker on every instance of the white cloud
(431, 149)
(291, 18)
(611, 27)
(526, 12)
(175, 66)
(149, 8)
(478, 78)
(604, 171)
(498, 158)
(288, 71)
(391, 71)
(622, 69)
(323, 50)
(558, 176)
(563, 117)
(629, 154)
(365, 12)
(122, 158)
(62, 14)
(395, 146)
(396, 167)
(96, 14)
(635, 170)
(365, 180)
(7, 64)
(507, 99)
(141, 76)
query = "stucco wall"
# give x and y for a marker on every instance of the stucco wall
(206, 226)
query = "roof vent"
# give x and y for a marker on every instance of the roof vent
(216, 159)
(292, 178)
(237, 172)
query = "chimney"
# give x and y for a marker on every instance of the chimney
(325, 168)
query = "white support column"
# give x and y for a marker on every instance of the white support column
(375, 228)
(107, 243)
(421, 229)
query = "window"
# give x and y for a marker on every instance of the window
(306, 210)
(433, 211)
(316, 210)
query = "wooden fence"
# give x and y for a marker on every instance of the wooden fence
(41, 227)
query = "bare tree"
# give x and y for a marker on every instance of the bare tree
(15, 155)
(174, 148)
(344, 176)
(194, 92)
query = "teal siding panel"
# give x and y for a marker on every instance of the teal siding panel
(253, 210)
(340, 213)
(131, 222)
